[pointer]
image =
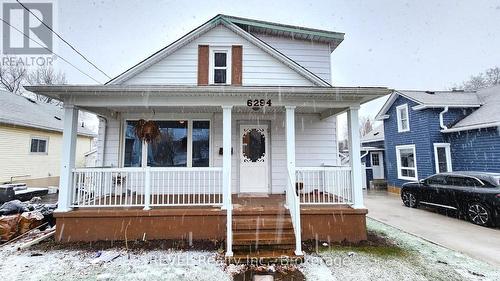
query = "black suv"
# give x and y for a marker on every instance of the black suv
(474, 194)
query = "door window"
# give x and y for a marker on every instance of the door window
(375, 159)
(254, 145)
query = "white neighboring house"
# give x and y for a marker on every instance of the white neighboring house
(245, 108)
(373, 155)
(31, 141)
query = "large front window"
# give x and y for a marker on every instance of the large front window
(133, 146)
(171, 148)
(406, 162)
(201, 143)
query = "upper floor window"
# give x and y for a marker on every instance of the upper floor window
(403, 118)
(220, 65)
(38, 145)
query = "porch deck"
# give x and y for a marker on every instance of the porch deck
(323, 222)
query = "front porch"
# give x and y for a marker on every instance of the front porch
(275, 162)
(335, 223)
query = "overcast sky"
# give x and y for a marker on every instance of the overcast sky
(398, 44)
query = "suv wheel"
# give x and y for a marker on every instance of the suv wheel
(479, 214)
(409, 199)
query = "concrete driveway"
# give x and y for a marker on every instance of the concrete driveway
(479, 242)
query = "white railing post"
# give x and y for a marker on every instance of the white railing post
(67, 158)
(147, 188)
(355, 157)
(226, 175)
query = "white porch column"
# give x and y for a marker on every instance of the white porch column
(294, 206)
(67, 157)
(226, 155)
(226, 176)
(290, 139)
(355, 157)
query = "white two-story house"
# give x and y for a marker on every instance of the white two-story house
(228, 133)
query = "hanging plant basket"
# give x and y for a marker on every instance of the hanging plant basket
(147, 131)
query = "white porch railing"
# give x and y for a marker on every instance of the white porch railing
(293, 205)
(147, 187)
(324, 185)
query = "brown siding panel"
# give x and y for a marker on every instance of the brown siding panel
(203, 65)
(236, 65)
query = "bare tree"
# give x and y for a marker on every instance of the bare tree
(12, 77)
(490, 77)
(366, 125)
(493, 76)
(45, 76)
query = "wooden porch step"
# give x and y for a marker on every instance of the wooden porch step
(263, 234)
(261, 211)
(287, 243)
(245, 239)
(262, 223)
(265, 256)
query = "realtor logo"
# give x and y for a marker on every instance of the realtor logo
(15, 43)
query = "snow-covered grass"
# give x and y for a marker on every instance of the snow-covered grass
(410, 258)
(77, 265)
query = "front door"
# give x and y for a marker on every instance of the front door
(377, 165)
(254, 158)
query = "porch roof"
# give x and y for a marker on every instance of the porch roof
(357, 95)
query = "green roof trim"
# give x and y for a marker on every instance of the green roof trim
(287, 28)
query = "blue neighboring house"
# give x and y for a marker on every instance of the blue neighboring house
(427, 132)
(372, 155)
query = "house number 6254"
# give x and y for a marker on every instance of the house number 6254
(261, 102)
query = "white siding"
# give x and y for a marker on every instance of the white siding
(112, 140)
(316, 144)
(314, 56)
(180, 68)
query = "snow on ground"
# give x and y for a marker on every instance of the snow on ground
(77, 265)
(412, 259)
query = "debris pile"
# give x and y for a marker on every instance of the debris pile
(17, 218)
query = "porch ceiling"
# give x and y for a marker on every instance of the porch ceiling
(206, 109)
(103, 99)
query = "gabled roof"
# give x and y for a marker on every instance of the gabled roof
(297, 32)
(242, 27)
(377, 134)
(22, 111)
(484, 117)
(433, 99)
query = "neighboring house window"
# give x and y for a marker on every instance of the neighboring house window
(406, 162)
(442, 157)
(38, 145)
(403, 118)
(182, 143)
(220, 65)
